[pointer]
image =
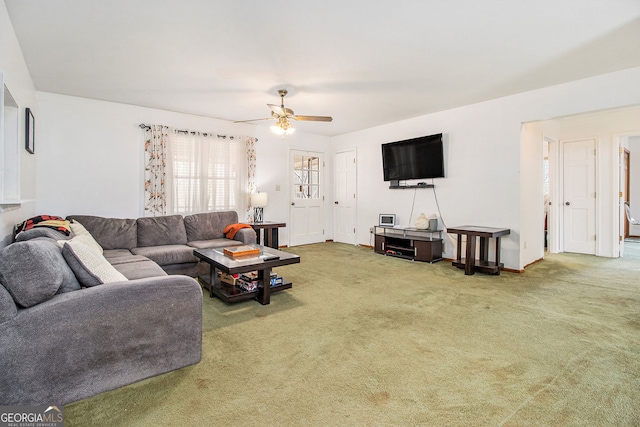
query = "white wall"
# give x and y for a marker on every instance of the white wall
(90, 153)
(18, 81)
(481, 187)
(484, 160)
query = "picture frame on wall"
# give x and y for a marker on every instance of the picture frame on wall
(30, 134)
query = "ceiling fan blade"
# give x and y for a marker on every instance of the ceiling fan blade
(280, 111)
(252, 120)
(313, 118)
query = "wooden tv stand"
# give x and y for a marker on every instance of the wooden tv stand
(409, 243)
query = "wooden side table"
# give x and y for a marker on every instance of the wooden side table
(469, 263)
(270, 230)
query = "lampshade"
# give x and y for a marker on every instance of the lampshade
(258, 200)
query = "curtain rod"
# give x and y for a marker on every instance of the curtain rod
(147, 127)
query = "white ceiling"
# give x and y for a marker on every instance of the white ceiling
(364, 62)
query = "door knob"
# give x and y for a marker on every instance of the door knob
(293, 204)
(567, 203)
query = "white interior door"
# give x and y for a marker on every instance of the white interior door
(307, 198)
(579, 208)
(344, 209)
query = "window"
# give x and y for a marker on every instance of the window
(306, 177)
(208, 173)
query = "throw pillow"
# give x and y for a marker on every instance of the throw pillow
(90, 267)
(34, 271)
(81, 233)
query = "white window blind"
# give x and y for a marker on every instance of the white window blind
(208, 173)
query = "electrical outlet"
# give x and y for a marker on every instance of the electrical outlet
(370, 229)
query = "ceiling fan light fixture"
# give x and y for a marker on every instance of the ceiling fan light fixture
(283, 127)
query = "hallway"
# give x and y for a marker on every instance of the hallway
(632, 248)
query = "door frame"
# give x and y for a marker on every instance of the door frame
(554, 229)
(621, 140)
(626, 178)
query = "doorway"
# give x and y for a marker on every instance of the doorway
(626, 179)
(307, 198)
(602, 128)
(629, 194)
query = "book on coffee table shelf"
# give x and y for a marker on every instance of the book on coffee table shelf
(230, 279)
(244, 250)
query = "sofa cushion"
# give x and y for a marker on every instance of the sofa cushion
(122, 256)
(161, 230)
(208, 225)
(184, 269)
(140, 269)
(34, 271)
(81, 233)
(214, 243)
(90, 267)
(8, 309)
(110, 233)
(167, 254)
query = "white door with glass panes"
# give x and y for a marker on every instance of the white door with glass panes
(306, 219)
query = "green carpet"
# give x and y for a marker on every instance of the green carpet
(368, 340)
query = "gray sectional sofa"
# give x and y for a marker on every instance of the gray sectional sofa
(75, 322)
(168, 241)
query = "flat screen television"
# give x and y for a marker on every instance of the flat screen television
(416, 158)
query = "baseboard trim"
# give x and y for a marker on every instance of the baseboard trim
(533, 262)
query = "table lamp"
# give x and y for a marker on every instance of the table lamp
(258, 201)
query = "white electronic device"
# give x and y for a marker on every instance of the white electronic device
(387, 220)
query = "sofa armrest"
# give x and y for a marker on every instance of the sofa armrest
(82, 343)
(246, 236)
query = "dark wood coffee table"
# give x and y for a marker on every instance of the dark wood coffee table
(263, 263)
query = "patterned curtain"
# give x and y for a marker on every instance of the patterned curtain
(155, 170)
(251, 173)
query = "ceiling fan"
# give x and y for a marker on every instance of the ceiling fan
(283, 114)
